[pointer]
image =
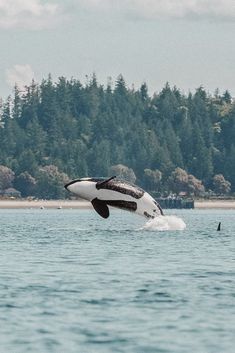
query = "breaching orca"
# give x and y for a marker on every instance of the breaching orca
(114, 192)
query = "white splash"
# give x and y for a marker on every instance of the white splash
(162, 223)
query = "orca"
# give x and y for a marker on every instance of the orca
(102, 192)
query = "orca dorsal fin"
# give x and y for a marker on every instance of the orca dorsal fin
(100, 207)
(101, 183)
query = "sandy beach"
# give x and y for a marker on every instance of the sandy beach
(215, 204)
(76, 204)
(56, 204)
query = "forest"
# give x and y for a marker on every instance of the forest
(168, 143)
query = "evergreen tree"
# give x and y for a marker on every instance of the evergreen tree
(83, 130)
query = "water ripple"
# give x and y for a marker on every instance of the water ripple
(72, 282)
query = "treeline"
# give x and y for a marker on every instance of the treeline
(170, 142)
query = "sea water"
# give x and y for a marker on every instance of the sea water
(72, 282)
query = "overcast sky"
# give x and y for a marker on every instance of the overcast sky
(185, 42)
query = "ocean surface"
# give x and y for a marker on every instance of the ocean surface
(71, 282)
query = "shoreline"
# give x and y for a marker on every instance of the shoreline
(55, 204)
(83, 204)
(214, 204)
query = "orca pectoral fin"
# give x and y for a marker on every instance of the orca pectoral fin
(100, 207)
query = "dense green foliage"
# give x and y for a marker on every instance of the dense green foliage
(84, 130)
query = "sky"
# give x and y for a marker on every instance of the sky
(188, 43)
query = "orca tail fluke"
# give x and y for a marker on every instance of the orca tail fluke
(160, 209)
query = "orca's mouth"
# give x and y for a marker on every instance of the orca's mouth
(71, 182)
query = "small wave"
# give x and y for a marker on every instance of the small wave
(162, 223)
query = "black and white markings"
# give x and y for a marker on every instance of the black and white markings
(117, 193)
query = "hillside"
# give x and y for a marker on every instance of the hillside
(56, 131)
